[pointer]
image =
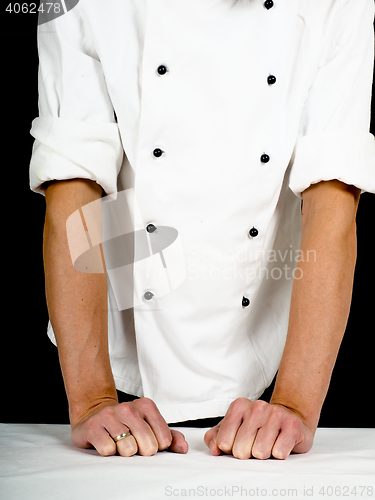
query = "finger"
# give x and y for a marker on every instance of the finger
(210, 440)
(179, 443)
(104, 444)
(244, 441)
(145, 438)
(291, 434)
(211, 434)
(264, 441)
(148, 428)
(283, 445)
(253, 420)
(109, 419)
(230, 424)
(127, 447)
(304, 440)
(93, 434)
(150, 412)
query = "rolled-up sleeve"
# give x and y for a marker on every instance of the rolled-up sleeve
(76, 134)
(334, 140)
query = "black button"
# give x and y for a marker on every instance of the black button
(162, 70)
(150, 228)
(245, 302)
(264, 158)
(157, 152)
(148, 295)
(268, 4)
(271, 80)
(253, 232)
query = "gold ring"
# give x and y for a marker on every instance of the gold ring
(121, 436)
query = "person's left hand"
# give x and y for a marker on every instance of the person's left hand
(260, 430)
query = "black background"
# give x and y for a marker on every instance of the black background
(31, 384)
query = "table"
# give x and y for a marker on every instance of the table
(38, 461)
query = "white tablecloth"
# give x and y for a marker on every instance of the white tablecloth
(39, 462)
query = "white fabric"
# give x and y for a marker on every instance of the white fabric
(39, 462)
(67, 148)
(194, 348)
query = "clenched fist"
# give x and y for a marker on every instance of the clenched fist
(149, 431)
(260, 430)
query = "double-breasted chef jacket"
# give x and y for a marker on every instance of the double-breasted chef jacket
(204, 120)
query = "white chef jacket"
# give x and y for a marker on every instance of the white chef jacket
(212, 116)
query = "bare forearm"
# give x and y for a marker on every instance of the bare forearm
(77, 305)
(318, 315)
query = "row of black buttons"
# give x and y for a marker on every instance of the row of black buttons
(253, 233)
(151, 228)
(162, 70)
(157, 152)
(148, 295)
(271, 80)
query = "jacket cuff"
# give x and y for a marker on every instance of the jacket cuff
(67, 149)
(343, 155)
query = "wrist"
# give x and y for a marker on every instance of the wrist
(80, 411)
(309, 416)
(88, 380)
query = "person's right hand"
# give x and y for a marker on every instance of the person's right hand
(149, 431)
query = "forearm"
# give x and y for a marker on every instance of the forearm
(319, 311)
(77, 306)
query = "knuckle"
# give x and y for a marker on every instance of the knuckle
(294, 423)
(209, 436)
(148, 451)
(260, 454)
(165, 443)
(106, 412)
(278, 413)
(241, 454)
(146, 406)
(129, 452)
(258, 408)
(150, 408)
(238, 406)
(224, 445)
(280, 455)
(240, 402)
(146, 403)
(107, 449)
(260, 405)
(126, 410)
